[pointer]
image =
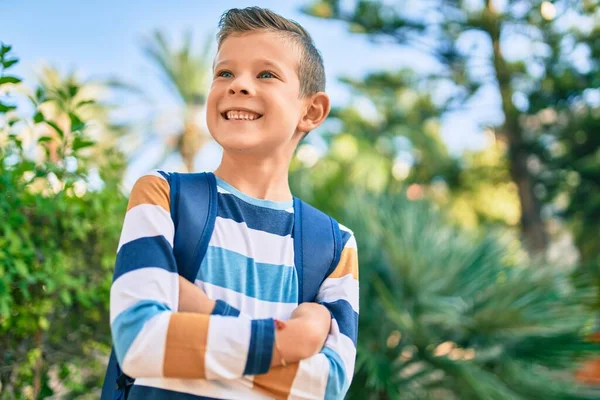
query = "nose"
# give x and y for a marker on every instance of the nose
(240, 85)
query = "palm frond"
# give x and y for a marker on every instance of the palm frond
(459, 315)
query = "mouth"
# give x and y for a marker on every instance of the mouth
(241, 115)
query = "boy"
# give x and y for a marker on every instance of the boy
(238, 333)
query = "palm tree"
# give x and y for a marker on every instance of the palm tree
(186, 75)
(65, 100)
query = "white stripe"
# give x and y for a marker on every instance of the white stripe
(345, 228)
(254, 308)
(311, 378)
(227, 347)
(263, 247)
(230, 389)
(143, 284)
(351, 243)
(155, 172)
(344, 347)
(333, 289)
(146, 220)
(146, 355)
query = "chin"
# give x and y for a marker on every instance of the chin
(239, 142)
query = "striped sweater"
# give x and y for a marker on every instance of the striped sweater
(249, 270)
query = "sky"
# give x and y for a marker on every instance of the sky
(103, 39)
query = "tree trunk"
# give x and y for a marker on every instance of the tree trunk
(532, 225)
(192, 139)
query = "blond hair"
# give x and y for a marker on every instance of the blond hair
(311, 71)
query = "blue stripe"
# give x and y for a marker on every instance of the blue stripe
(154, 251)
(260, 351)
(345, 237)
(130, 322)
(345, 316)
(336, 380)
(222, 308)
(139, 392)
(277, 222)
(231, 270)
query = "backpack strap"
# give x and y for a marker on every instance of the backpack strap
(193, 207)
(317, 248)
(194, 211)
(116, 384)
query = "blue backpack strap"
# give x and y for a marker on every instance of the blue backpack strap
(193, 207)
(116, 384)
(194, 211)
(317, 248)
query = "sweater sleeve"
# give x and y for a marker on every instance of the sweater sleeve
(326, 375)
(152, 339)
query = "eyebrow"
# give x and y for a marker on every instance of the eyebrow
(262, 62)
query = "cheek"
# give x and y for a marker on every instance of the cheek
(284, 108)
(211, 108)
(211, 101)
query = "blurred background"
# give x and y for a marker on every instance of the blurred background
(463, 149)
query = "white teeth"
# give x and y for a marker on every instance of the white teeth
(242, 115)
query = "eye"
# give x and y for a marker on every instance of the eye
(224, 74)
(266, 75)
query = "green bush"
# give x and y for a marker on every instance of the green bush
(450, 314)
(58, 240)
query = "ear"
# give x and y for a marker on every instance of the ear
(317, 109)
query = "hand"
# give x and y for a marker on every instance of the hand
(318, 319)
(303, 335)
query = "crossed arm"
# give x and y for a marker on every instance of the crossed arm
(156, 336)
(299, 338)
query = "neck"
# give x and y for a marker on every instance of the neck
(261, 178)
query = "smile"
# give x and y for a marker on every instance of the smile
(241, 115)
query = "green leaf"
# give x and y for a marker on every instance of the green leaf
(6, 108)
(56, 128)
(40, 95)
(21, 267)
(79, 143)
(43, 139)
(5, 49)
(44, 323)
(73, 89)
(66, 298)
(9, 63)
(76, 123)
(38, 117)
(84, 103)
(9, 79)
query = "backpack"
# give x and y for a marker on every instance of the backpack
(317, 248)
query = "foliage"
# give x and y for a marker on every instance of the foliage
(66, 95)
(186, 75)
(388, 138)
(468, 43)
(563, 114)
(454, 315)
(57, 245)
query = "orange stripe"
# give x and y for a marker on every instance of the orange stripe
(150, 189)
(186, 346)
(277, 382)
(348, 264)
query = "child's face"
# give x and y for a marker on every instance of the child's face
(255, 73)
